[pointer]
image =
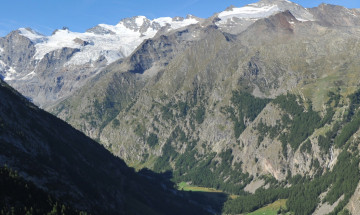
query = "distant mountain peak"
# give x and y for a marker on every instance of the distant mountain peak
(230, 8)
(273, 1)
(31, 34)
(251, 11)
(134, 23)
(236, 19)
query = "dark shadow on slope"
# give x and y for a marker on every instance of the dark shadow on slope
(77, 170)
(213, 202)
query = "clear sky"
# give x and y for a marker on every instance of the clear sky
(47, 15)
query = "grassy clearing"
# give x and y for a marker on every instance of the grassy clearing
(270, 209)
(186, 187)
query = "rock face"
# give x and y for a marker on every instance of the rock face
(16, 50)
(336, 15)
(353, 205)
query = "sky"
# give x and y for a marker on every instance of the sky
(45, 16)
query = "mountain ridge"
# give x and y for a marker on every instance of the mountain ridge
(104, 44)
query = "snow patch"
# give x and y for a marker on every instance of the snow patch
(28, 76)
(350, 12)
(32, 35)
(163, 21)
(249, 12)
(61, 39)
(260, 10)
(302, 20)
(140, 20)
(9, 75)
(2, 68)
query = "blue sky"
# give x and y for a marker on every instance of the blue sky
(47, 15)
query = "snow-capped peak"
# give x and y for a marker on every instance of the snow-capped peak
(249, 12)
(135, 23)
(262, 9)
(176, 22)
(267, 2)
(140, 20)
(31, 34)
(235, 20)
(110, 41)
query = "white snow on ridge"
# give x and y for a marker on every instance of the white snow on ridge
(263, 9)
(10, 74)
(28, 76)
(140, 20)
(120, 43)
(3, 69)
(249, 12)
(2, 65)
(163, 21)
(32, 35)
(62, 38)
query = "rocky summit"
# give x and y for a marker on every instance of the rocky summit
(259, 102)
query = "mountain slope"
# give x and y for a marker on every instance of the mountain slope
(230, 111)
(75, 169)
(119, 84)
(19, 196)
(260, 101)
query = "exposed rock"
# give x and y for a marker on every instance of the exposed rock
(100, 30)
(254, 185)
(326, 208)
(81, 42)
(335, 15)
(353, 206)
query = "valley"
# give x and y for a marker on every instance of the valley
(254, 110)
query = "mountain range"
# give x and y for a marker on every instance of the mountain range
(260, 101)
